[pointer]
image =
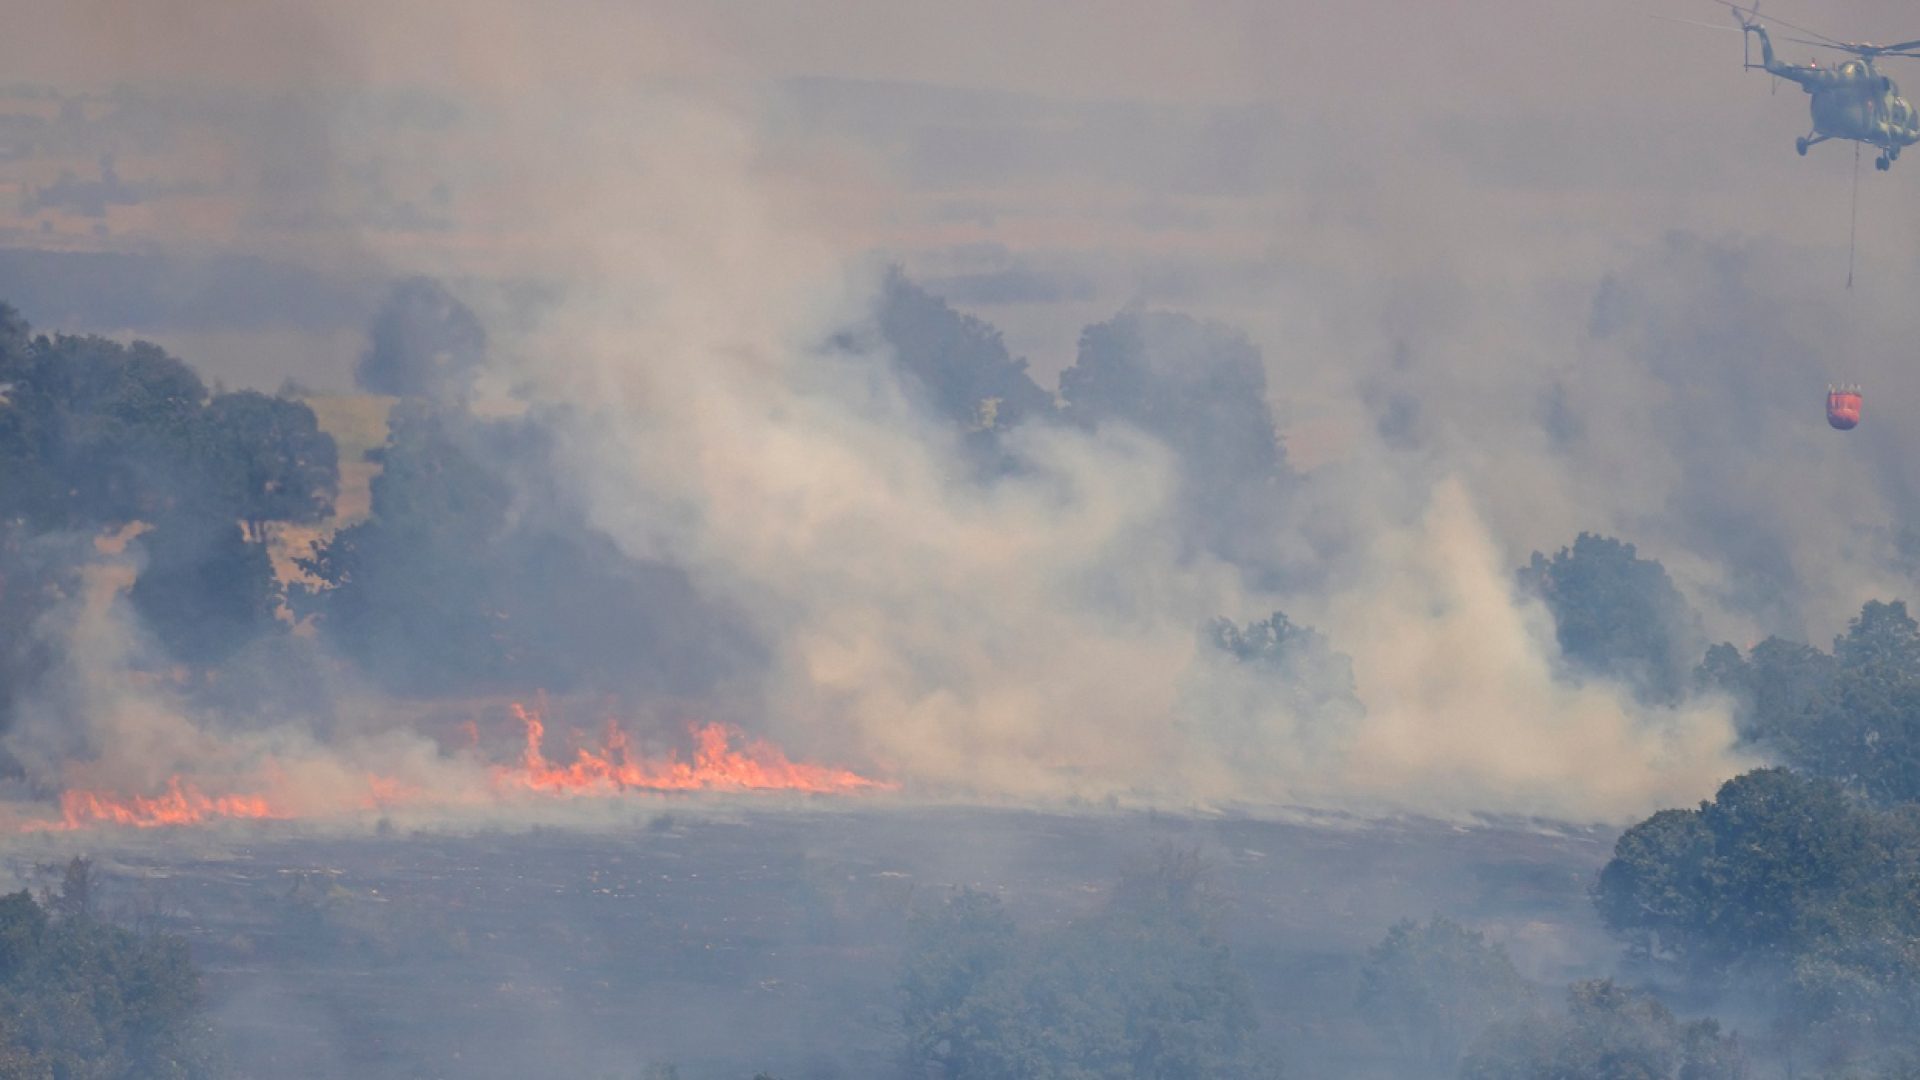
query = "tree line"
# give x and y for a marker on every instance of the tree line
(1791, 898)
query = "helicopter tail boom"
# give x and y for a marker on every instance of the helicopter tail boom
(1807, 75)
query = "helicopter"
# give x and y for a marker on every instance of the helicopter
(1852, 100)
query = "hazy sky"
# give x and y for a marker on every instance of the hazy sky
(1086, 154)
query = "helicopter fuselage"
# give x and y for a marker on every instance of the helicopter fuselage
(1851, 100)
(1864, 106)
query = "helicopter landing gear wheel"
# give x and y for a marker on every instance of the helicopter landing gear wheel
(1883, 163)
(1801, 145)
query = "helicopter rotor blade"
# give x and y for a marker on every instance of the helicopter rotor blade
(1888, 50)
(1737, 30)
(1746, 14)
(1701, 25)
(1819, 44)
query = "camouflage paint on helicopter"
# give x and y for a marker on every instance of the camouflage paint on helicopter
(1852, 100)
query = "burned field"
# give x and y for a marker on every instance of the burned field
(722, 946)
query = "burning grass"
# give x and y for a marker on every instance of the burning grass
(721, 759)
(717, 765)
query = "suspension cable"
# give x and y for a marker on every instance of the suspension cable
(1853, 225)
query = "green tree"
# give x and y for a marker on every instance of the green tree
(1615, 614)
(1201, 389)
(96, 435)
(269, 460)
(1656, 891)
(1434, 987)
(1852, 715)
(1310, 679)
(406, 592)
(1791, 685)
(958, 953)
(1788, 890)
(1881, 640)
(100, 433)
(1746, 878)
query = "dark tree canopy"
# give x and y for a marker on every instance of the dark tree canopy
(206, 591)
(1882, 641)
(96, 435)
(463, 579)
(270, 460)
(1616, 615)
(1852, 715)
(423, 343)
(1785, 888)
(959, 363)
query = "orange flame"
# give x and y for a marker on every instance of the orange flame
(183, 804)
(724, 759)
(756, 766)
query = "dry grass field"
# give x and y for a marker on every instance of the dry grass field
(724, 942)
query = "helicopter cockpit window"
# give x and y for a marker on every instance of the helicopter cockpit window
(1853, 69)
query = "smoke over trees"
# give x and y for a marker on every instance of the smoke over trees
(96, 436)
(424, 343)
(1434, 987)
(1145, 987)
(1785, 891)
(1852, 715)
(480, 568)
(1797, 879)
(958, 362)
(1201, 388)
(1607, 1032)
(465, 578)
(1616, 615)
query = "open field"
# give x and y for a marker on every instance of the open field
(768, 941)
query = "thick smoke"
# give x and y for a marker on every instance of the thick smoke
(911, 553)
(1035, 632)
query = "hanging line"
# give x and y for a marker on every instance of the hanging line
(1853, 226)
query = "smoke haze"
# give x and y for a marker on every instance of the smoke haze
(1496, 288)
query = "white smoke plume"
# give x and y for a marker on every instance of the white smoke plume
(1040, 635)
